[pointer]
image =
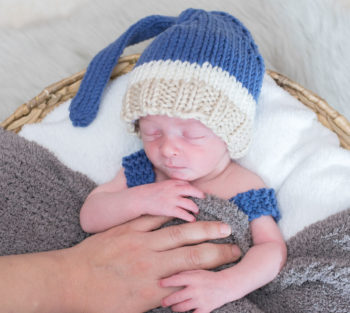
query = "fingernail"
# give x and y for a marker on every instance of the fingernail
(225, 229)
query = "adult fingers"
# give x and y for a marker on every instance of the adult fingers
(201, 256)
(147, 222)
(188, 233)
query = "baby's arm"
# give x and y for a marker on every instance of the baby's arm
(205, 290)
(99, 211)
(265, 259)
(114, 203)
(262, 262)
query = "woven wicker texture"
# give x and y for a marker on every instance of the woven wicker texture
(36, 109)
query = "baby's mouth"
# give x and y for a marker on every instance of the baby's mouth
(174, 167)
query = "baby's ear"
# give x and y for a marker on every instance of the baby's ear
(137, 126)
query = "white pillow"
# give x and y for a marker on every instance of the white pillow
(291, 151)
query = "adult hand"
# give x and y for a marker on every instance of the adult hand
(115, 271)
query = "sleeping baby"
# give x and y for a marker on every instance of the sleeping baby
(191, 98)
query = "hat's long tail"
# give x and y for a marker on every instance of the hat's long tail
(84, 106)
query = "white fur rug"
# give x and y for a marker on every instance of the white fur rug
(43, 41)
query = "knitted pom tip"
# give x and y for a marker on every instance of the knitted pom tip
(80, 123)
(80, 118)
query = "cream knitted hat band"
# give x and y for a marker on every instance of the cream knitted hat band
(187, 90)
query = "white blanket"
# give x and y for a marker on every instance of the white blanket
(291, 151)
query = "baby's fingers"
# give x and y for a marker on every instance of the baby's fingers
(176, 297)
(188, 205)
(184, 306)
(176, 280)
(183, 214)
(187, 190)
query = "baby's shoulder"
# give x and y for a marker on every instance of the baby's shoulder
(244, 178)
(236, 179)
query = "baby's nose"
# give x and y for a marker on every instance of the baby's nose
(169, 148)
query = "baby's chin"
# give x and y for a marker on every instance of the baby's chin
(181, 174)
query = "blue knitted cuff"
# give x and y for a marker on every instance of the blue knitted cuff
(138, 169)
(256, 203)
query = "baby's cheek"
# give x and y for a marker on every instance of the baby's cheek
(150, 149)
(205, 159)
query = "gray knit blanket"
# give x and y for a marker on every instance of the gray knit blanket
(40, 199)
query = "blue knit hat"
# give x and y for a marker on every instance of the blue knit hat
(202, 65)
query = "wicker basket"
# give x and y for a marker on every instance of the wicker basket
(36, 109)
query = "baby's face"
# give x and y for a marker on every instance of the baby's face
(182, 148)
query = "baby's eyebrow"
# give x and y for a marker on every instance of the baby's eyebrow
(195, 126)
(147, 122)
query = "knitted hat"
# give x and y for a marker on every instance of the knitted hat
(202, 65)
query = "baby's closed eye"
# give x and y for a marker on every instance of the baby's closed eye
(194, 135)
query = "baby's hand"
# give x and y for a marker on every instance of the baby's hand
(203, 292)
(168, 198)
